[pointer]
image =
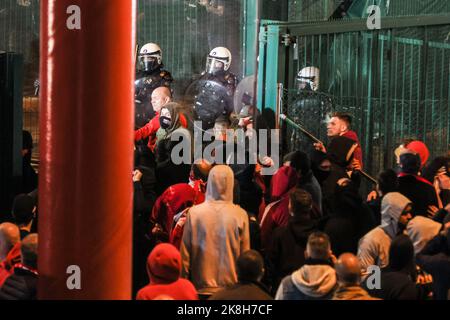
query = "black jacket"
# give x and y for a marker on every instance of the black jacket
(375, 206)
(21, 285)
(435, 259)
(287, 252)
(310, 184)
(351, 219)
(168, 173)
(420, 193)
(337, 152)
(395, 285)
(145, 191)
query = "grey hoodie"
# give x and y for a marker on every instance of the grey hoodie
(421, 230)
(373, 248)
(310, 282)
(392, 207)
(216, 233)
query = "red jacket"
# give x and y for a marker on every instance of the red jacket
(176, 235)
(174, 200)
(276, 214)
(150, 130)
(7, 266)
(358, 151)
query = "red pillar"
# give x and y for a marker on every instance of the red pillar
(86, 126)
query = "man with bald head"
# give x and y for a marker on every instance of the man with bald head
(9, 237)
(348, 272)
(160, 97)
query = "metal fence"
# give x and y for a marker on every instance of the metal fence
(394, 81)
(185, 29)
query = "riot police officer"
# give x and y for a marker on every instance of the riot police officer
(213, 92)
(309, 108)
(150, 76)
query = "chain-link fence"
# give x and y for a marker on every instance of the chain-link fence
(187, 30)
(395, 83)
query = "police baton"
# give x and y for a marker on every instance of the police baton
(316, 140)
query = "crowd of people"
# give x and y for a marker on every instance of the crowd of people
(223, 231)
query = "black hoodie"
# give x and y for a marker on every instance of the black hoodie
(350, 220)
(287, 253)
(337, 152)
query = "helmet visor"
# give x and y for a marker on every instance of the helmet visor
(148, 63)
(305, 83)
(214, 66)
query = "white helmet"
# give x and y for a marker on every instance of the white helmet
(150, 57)
(308, 76)
(219, 59)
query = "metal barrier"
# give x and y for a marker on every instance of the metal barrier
(394, 81)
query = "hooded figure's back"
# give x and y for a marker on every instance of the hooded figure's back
(374, 246)
(216, 233)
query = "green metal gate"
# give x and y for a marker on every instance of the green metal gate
(394, 81)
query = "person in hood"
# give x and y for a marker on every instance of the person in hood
(350, 220)
(348, 270)
(301, 162)
(286, 253)
(398, 279)
(164, 268)
(374, 246)
(174, 200)
(168, 136)
(419, 190)
(316, 279)
(276, 213)
(340, 153)
(421, 230)
(215, 234)
(321, 166)
(250, 270)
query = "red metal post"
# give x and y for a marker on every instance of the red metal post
(86, 128)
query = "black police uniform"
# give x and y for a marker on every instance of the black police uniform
(213, 97)
(309, 109)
